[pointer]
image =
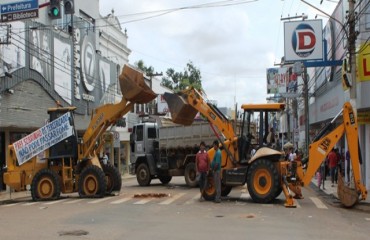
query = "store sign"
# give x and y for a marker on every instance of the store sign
(43, 138)
(303, 40)
(363, 117)
(363, 63)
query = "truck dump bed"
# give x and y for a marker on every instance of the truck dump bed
(175, 135)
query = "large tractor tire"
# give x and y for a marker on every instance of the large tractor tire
(92, 183)
(263, 181)
(165, 179)
(143, 175)
(225, 190)
(191, 175)
(113, 178)
(45, 185)
(209, 192)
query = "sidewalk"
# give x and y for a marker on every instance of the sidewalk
(331, 192)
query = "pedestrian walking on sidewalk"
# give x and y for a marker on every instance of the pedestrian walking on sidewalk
(202, 167)
(216, 168)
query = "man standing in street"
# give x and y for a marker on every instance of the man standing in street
(202, 167)
(216, 168)
(333, 161)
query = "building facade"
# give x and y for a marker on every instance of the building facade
(74, 60)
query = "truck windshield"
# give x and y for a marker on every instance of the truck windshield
(152, 133)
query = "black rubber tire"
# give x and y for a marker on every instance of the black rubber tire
(113, 177)
(143, 175)
(278, 192)
(191, 175)
(265, 188)
(48, 179)
(165, 179)
(92, 175)
(209, 192)
(225, 190)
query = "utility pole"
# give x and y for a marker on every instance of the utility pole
(151, 75)
(306, 110)
(352, 49)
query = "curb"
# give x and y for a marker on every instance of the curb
(333, 199)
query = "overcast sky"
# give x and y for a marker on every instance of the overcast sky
(231, 45)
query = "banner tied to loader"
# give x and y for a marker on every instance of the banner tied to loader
(43, 138)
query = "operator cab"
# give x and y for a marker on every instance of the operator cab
(253, 132)
(68, 147)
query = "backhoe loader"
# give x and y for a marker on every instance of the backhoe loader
(267, 174)
(72, 164)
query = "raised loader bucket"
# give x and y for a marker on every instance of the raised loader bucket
(133, 87)
(347, 196)
(181, 111)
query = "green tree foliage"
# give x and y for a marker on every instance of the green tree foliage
(178, 81)
(141, 65)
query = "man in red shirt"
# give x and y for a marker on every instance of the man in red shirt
(202, 167)
(333, 161)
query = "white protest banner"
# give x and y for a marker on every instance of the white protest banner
(43, 138)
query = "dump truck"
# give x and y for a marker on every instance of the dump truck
(161, 149)
(266, 173)
(72, 163)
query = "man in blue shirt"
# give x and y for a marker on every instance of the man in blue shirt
(216, 168)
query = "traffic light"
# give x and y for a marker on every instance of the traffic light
(69, 7)
(54, 11)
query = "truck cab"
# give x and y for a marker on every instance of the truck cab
(142, 160)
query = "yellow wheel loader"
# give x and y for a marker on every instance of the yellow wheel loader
(266, 173)
(71, 164)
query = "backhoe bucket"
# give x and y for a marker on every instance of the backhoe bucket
(133, 87)
(347, 196)
(181, 111)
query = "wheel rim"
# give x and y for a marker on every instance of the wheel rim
(45, 188)
(142, 174)
(90, 184)
(210, 189)
(192, 175)
(262, 181)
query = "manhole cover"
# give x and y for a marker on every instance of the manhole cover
(73, 233)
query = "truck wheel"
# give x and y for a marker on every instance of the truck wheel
(113, 178)
(92, 182)
(191, 175)
(225, 190)
(45, 185)
(143, 175)
(165, 179)
(209, 192)
(263, 181)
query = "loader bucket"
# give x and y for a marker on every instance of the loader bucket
(347, 196)
(133, 87)
(181, 111)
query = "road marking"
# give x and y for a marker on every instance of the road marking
(99, 200)
(367, 219)
(55, 202)
(143, 201)
(297, 204)
(245, 196)
(120, 200)
(193, 199)
(73, 201)
(30, 203)
(171, 200)
(10, 205)
(318, 203)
